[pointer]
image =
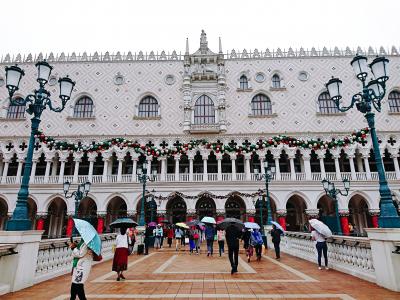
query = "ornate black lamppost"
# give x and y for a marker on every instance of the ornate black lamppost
(79, 194)
(370, 97)
(332, 192)
(37, 103)
(143, 178)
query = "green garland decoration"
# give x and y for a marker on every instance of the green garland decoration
(164, 150)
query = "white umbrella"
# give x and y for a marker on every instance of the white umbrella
(320, 227)
(209, 220)
(251, 225)
(278, 226)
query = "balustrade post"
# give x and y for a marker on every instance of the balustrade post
(374, 213)
(344, 221)
(281, 215)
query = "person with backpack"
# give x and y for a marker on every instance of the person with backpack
(158, 233)
(257, 242)
(210, 234)
(276, 240)
(178, 237)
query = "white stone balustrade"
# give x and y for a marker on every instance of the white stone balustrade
(351, 255)
(55, 257)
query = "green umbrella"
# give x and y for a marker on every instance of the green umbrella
(89, 235)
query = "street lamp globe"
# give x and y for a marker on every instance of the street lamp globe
(331, 186)
(360, 66)
(334, 85)
(377, 88)
(44, 71)
(346, 184)
(66, 87)
(13, 78)
(87, 186)
(265, 164)
(379, 68)
(144, 167)
(325, 184)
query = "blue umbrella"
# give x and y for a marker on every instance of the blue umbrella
(278, 226)
(251, 225)
(89, 235)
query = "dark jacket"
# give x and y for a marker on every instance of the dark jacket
(246, 238)
(210, 233)
(232, 236)
(148, 233)
(276, 235)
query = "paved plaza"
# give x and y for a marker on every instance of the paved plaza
(177, 275)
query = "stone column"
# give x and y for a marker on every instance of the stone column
(47, 171)
(191, 158)
(374, 213)
(251, 215)
(307, 165)
(247, 157)
(19, 170)
(62, 169)
(77, 161)
(312, 213)
(91, 160)
(366, 165)
(105, 168)
(281, 214)
(233, 161)
(292, 170)
(119, 173)
(54, 167)
(149, 159)
(344, 221)
(177, 157)
(33, 170)
(219, 162)
(220, 215)
(262, 159)
(134, 168)
(163, 160)
(161, 216)
(5, 170)
(352, 167)
(321, 156)
(277, 156)
(204, 155)
(337, 166)
(396, 165)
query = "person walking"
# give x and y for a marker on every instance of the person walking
(246, 238)
(221, 241)
(148, 233)
(321, 247)
(170, 235)
(120, 260)
(232, 237)
(192, 244)
(196, 237)
(178, 237)
(210, 234)
(257, 242)
(158, 233)
(276, 240)
(80, 273)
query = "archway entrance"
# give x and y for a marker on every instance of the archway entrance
(176, 210)
(359, 215)
(205, 207)
(3, 213)
(235, 208)
(88, 211)
(55, 223)
(116, 208)
(296, 219)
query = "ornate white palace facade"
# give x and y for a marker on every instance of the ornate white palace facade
(205, 122)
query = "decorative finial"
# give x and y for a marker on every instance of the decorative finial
(220, 45)
(203, 42)
(187, 46)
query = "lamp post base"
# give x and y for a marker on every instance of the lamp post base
(389, 222)
(19, 225)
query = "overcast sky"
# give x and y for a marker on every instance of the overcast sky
(33, 26)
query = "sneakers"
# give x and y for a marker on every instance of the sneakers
(326, 268)
(319, 268)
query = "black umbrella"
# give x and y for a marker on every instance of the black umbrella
(165, 221)
(231, 221)
(123, 222)
(195, 223)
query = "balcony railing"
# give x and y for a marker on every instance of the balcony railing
(200, 177)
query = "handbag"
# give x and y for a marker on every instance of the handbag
(97, 257)
(186, 240)
(196, 236)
